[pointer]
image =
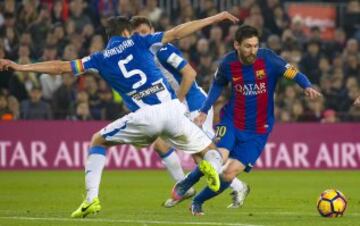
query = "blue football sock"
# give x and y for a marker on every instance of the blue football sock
(169, 152)
(97, 150)
(207, 193)
(192, 178)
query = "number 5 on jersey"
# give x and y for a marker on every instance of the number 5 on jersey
(129, 74)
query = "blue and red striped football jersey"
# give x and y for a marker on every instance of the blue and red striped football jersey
(251, 104)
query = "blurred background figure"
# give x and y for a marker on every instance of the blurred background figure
(82, 112)
(35, 107)
(329, 116)
(5, 112)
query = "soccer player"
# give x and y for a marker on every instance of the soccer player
(357, 101)
(177, 70)
(248, 117)
(127, 65)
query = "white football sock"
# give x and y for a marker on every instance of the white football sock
(173, 165)
(93, 170)
(215, 159)
(237, 185)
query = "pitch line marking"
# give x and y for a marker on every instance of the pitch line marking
(126, 221)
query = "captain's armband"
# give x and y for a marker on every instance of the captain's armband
(290, 71)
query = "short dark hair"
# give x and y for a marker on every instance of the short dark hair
(244, 32)
(136, 21)
(117, 25)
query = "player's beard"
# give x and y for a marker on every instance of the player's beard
(248, 59)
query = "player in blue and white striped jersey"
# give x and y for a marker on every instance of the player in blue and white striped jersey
(177, 70)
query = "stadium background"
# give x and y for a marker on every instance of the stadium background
(34, 30)
(46, 122)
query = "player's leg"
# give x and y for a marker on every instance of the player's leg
(93, 170)
(240, 191)
(241, 158)
(183, 134)
(170, 159)
(95, 164)
(256, 143)
(209, 131)
(231, 169)
(227, 138)
(239, 188)
(128, 129)
(207, 127)
(212, 153)
(210, 167)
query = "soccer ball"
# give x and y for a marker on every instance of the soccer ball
(331, 203)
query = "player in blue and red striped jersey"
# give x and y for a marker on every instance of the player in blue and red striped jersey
(248, 117)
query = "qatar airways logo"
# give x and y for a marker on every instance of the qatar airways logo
(251, 89)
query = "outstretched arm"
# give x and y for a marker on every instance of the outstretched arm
(292, 73)
(54, 67)
(188, 28)
(303, 81)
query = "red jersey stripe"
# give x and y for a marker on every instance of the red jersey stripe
(239, 105)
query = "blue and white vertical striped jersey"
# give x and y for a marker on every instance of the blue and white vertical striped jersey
(128, 66)
(171, 62)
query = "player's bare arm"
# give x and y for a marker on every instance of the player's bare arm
(188, 28)
(188, 76)
(55, 67)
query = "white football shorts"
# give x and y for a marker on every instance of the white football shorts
(166, 120)
(207, 127)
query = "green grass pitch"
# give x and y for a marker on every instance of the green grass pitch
(135, 197)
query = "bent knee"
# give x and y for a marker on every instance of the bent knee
(161, 147)
(228, 175)
(224, 153)
(97, 140)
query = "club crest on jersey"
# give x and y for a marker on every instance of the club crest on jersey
(260, 74)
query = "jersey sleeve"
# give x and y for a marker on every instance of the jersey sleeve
(152, 41)
(220, 75)
(219, 82)
(86, 64)
(279, 64)
(282, 68)
(171, 56)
